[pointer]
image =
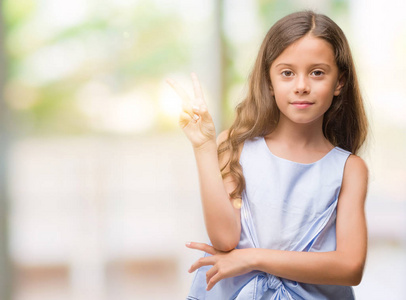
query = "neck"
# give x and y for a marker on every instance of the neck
(300, 135)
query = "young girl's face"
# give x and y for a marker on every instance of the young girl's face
(304, 80)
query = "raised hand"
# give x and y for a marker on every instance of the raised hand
(195, 120)
(225, 264)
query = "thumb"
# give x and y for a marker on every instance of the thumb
(184, 119)
(203, 112)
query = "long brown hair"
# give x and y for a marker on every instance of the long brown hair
(344, 124)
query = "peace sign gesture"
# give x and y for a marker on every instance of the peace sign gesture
(195, 120)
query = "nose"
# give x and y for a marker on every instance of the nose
(302, 85)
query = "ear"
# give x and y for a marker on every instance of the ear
(340, 83)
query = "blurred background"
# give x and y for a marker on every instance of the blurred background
(98, 186)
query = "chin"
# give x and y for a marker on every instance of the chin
(306, 121)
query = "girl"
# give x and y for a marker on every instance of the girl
(283, 192)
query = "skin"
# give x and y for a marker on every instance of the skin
(221, 217)
(306, 72)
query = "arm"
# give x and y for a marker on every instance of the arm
(344, 266)
(221, 218)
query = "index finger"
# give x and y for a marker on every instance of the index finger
(180, 91)
(197, 88)
(202, 247)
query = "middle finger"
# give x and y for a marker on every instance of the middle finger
(203, 261)
(198, 90)
(186, 102)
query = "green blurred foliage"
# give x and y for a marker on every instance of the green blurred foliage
(15, 11)
(118, 47)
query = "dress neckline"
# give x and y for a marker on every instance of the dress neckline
(294, 162)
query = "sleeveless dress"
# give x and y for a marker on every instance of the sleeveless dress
(286, 206)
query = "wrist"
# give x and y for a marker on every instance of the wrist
(252, 258)
(206, 146)
(255, 259)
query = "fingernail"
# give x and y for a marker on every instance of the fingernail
(188, 244)
(196, 117)
(195, 107)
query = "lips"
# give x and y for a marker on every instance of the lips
(302, 104)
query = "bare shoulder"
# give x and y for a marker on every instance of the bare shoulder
(355, 179)
(355, 166)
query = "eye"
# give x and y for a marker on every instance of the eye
(317, 73)
(287, 73)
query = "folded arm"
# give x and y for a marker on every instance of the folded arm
(344, 266)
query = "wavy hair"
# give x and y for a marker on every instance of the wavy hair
(344, 124)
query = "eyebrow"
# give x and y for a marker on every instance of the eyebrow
(313, 65)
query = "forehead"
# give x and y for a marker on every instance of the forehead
(308, 49)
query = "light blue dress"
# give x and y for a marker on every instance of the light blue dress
(286, 206)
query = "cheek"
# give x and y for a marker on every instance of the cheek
(326, 91)
(281, 102)
(281, 90)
